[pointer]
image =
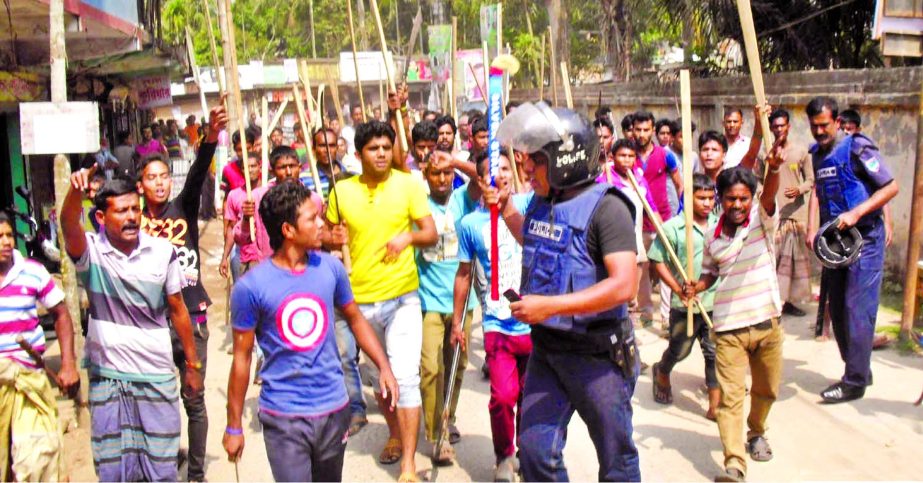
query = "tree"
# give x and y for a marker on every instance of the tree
(621, 36)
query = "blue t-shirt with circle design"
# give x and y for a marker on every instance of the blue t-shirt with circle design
(292, 315)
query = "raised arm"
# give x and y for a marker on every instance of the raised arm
(74, 237)
(195, 178)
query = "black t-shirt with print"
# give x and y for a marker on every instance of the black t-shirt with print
(179, 223)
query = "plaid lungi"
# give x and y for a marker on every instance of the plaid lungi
(135, 430)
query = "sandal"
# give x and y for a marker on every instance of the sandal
(454, 434)
(446, 455)
(662, 394)
(408, 477)
(356, 423)
(759, 449)
(391, 453)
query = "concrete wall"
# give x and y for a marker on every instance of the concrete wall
(887, 98)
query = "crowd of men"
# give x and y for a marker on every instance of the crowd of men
(356, 246)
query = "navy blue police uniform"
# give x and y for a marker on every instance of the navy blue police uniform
(584, 363)
(847, 175)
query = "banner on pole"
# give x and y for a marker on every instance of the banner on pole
(475, 59)
(489, 21)
(440, 51)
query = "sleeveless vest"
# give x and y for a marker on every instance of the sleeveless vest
(555, 259)
(839, 189)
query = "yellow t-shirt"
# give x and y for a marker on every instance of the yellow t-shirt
(373, 218)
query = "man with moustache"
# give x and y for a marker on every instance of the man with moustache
(134, 284)
(852, 187)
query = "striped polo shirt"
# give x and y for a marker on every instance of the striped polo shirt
(26, 284)
(128, 336)
(747, 290)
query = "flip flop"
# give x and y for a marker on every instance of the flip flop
(391, 453)
(446, 455)
(454, 434)
(662, 394)
(759, 449)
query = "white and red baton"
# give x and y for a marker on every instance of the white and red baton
(504, 63)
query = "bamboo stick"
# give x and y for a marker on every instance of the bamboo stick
(390, 75)
(352, 41)
(308, 139)
(756, 73)
(565, 79)
(658, 226)
(554, 71)
(686, 99)
(241, 122)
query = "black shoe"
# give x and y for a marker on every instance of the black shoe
(485, 371)
(789, 309)
(842, 392)
(731, 474)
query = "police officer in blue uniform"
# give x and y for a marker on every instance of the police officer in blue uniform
(852, 184)
(579, 267)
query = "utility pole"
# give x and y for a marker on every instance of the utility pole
(62, 172)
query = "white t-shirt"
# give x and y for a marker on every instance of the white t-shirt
(736, 152)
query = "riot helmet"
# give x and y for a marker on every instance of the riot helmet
(835, 248)
(563, 137)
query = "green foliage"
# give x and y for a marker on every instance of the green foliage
(832, 35)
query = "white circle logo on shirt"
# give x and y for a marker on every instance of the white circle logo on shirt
(302, 321)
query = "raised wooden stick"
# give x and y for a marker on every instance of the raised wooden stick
(476, 81)
(565, 79)
(485, 58)
(554, 71)
(658, 226)
(213, 47)
(344, 249)
(308, 139)
(190, 50)
(264, 136)
(541, 72)
(454, 109)
(311, 107)
(352, 42)
(390, 75)
(686, 99)
(756, 73)
(335, 92)
(235, 84)
(381, 95)
(278, 115)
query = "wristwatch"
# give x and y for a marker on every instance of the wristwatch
(197, 364)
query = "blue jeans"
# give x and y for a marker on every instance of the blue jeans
(559, 383)
(349, 358)
(234, 262)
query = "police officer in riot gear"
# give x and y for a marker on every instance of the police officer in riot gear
(579, 262)
(852, 185)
